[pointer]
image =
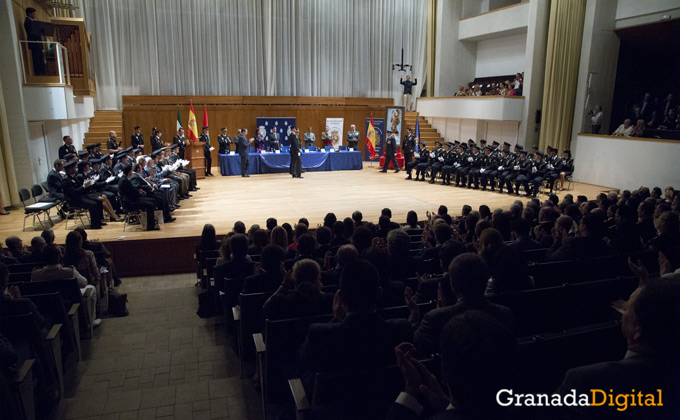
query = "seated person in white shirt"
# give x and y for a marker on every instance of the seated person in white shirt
(55, 271)
(625, 129)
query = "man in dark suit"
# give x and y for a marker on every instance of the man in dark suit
(469, 275)
(357, 337)
(67, 147)
(274, 140)
(295, 152)
(180, 141)
(134, 198)
(391, 151)
(589, 244)
(34, 42)
(54, 181)
(243, 146)
(205, 137)
(478, 359)
(651, 327)
(137, 138)
(76, 196)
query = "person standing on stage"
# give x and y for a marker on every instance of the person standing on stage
(408, 146)
(180, 142)
(352, 137)
(67, 147)
(205, 137)
(391, 151)
(310, 138)
(408, 84)
(155, 141)
(326, 137)
(274, 140)
(224, 140)
(244, 150)
(295, 152)
(137, 139)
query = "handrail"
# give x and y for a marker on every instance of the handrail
(59, 56)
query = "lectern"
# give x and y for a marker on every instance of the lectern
(196, 158)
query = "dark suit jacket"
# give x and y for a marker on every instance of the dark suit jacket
(128, 193)
(294, 144)
(54, 184)
(296, 305)
(361, 340)
(427, 336)
(243, 145)
(266, 282)
(589, 246)
(636, 371)
(137, 140)
(234, 269)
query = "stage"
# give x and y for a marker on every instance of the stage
(224, 200)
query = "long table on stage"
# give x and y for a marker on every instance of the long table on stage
(267, 163)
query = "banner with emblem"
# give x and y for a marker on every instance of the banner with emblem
(379, 130)
(282, 125)
(335, 129)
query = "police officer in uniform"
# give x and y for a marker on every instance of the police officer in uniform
(326, 138)
(539, 172)
(67, 147)
(295, 152)
(474, 168)
(489, 167)
(174, 157)
(465, 159)
(408, 146)
(76, 196)
(205, 137)
(522, 171)
(390, 152)
(224, 140)
(505, 164)
(423, 167)
(422, 157)
(310, 138)
(137, 139)
(113, 145)
(448, 165)
(352, 137)
(440, 158)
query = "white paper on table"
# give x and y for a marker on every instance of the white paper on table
(211, 148)
(278, 151)
(331, 150)
(232, 153)
(351, 149)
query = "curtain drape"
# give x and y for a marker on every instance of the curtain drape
(8, 180)
(561, 72)
(254, 47)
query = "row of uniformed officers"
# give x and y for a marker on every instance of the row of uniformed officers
(495, 167)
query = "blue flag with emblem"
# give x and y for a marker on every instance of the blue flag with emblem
(417, 134)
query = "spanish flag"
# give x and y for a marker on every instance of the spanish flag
(193, 130)
(370, 140)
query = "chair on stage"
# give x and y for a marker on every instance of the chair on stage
(36, 210)
(343, 148)
(312, 149)
(327, 148)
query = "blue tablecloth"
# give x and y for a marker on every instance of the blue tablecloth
(280, 163)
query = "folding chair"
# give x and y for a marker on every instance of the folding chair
(35, 210)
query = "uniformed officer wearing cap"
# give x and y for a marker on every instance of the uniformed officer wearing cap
(181, 142)
(567, 167)
(122, 160)
(155, 139)
(184, 180)
(555, 164)
(77, 197)
(136, 199)
(106, 172)
(505, 169)
(90, 151)
(449, 160)
(424, 168)
(391, 151)
(408, 145)
(205, 137)
(137, 138)
(538, 172)
(478, 161)
(224, 141)
(67, 147)
(522, 171)
(97, 190)
(438, 164)
(488, 166)
(423, 155)
(461, 163)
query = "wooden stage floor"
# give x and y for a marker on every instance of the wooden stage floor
(224, 200)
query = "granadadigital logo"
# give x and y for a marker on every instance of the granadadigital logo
(596, 398)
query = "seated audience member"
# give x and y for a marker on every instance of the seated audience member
(479, 358)
(225, 249)
(323, 242)
(428, 285)
(388, 213)
(384, 227)
(588, 244)
(345, 255)
(625, 237)
(412, 221)
(520, 230)
(260, 240)
(338, 235)
(668, 239)
(291, 250)
(83, 260)
(11, 302)
(15, 247)
(289, 231)
(48, 236)
(509, 273)
(306, 244)
(357, 217)
(639, 129)
(208, 240)
(651, 327)
(271, 223)
(329, 219)
(490, 241)
(469, 275)
(349, 228)
(299, 295)
(239, 265)
(55, 271)
(38, 244)
(96, 247)
(442, 233)
(239, 227)
(357, 337)
(625, 129)
(269, 278)
(362, 239)
(279, 237)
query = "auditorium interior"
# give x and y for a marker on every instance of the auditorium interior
(278, 209)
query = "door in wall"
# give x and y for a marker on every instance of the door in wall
(37, 149)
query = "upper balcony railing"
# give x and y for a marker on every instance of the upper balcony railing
(44, 63)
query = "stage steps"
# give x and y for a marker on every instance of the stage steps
(428, 134)
(100, 126)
